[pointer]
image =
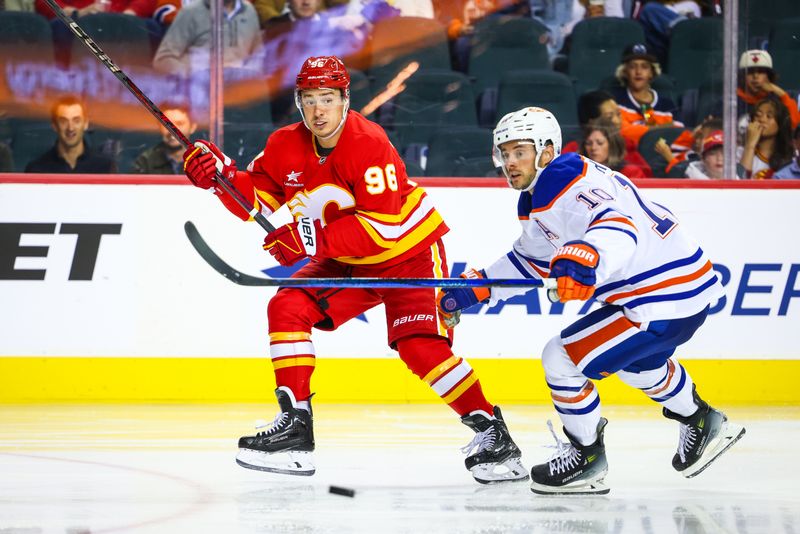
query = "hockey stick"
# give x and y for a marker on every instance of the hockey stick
(155, 111)
(242, 279)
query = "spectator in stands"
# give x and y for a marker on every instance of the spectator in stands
(712, 163)
(270, 9)
(792, 170)
(19, 5)
(296, 10)
(461, 25)
(757, 80)
(71, 152)
(658, 17)
(600, 106)
(79, 8)
(186, 45)
(6, 161)
(561, 16)
(603, 143)
(167, 156)
(768, 142)
(683, 157)
(638, 101)
(62, 35)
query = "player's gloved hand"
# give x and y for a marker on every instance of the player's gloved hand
(294, 241)
(451, 301)
(573, 265)
(201, 162)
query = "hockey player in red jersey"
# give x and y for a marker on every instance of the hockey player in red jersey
(356, 214)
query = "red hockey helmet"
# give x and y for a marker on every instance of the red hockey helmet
(323, 71)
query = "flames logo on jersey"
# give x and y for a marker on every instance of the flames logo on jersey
(313, 203)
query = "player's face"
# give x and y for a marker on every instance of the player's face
(518, 159)
(70, 124)
(182, 121)
(596, 146)
(765, 114)
(323, 109)
(714, 163)
(609, 110)
(639, 73)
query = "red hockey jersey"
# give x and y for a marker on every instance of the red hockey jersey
(371, 213)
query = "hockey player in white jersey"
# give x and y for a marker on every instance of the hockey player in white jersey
(592, 229)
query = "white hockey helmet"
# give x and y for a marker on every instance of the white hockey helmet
(536, 125)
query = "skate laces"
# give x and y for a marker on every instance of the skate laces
(566, 455)
(686, 440)
(482, 440)
(276, 423)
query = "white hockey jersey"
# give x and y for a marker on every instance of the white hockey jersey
(648, 264)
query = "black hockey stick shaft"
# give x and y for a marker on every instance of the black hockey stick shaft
(243, 279)
(155, 111)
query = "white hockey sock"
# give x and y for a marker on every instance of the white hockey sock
(304, 405)
(669, 385)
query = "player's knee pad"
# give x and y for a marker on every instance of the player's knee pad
(291, 310)
(423, 353)
(557, 365)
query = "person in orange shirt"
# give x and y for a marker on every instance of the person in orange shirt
(756, 81)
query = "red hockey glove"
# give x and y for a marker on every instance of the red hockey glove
(201, 162)
(295, 241)
(451, 301)
(573, 265)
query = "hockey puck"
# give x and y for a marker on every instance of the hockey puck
(338, 490)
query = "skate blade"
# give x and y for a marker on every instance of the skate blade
(511, 470)
(728, 435)
(595, 487)
(284, 463)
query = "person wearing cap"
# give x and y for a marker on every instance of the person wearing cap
(355, 214)
(757, 80)
(638, 101)
(642, 107)
(711, 164)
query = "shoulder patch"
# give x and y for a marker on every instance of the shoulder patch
(557, 177)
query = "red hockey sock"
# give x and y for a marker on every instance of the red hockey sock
(451, 377)
(291, 315)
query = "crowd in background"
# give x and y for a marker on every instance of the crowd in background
(612, 119)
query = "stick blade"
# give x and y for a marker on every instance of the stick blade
(217, 263)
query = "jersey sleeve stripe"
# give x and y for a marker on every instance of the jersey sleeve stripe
(624, 231)
(621, 220)
(268, 200)
(512, 257)
(661, 285)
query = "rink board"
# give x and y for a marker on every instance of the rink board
(103, 298)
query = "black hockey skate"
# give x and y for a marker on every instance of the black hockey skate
(574, 468)
(497, 458)
(704, 436)
(286, 445)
